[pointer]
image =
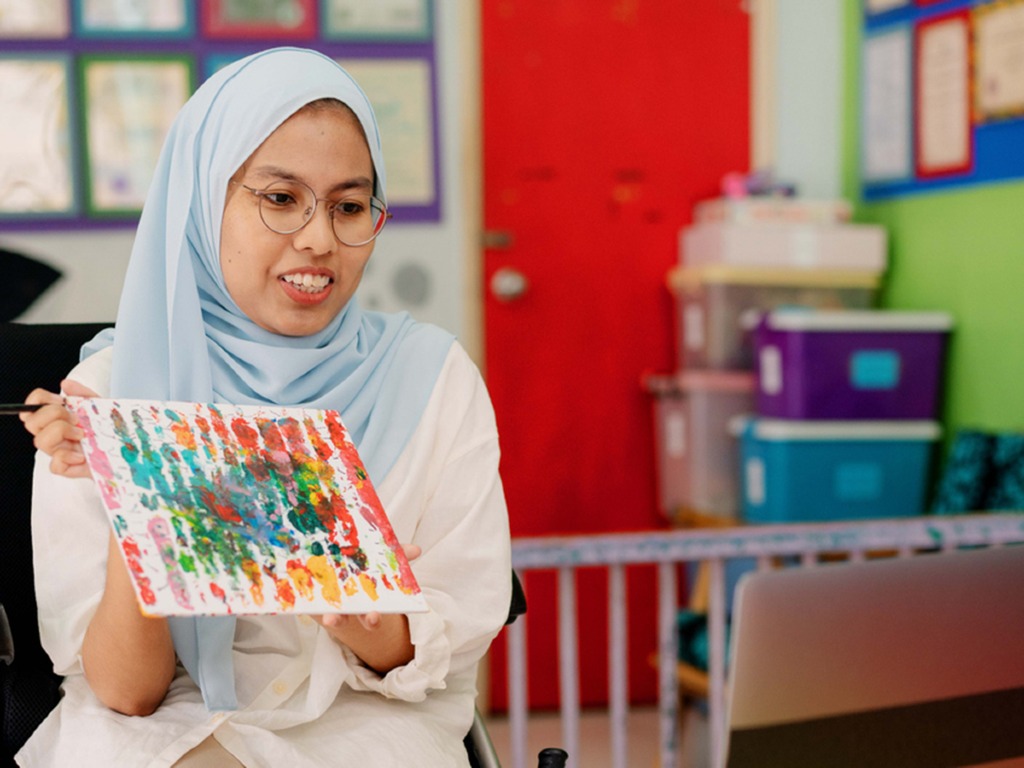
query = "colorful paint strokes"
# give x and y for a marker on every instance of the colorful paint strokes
(223, 509)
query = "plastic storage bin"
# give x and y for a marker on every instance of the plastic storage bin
(782, 244)
(803, 471)
(697, 457)
(752, 210)
(711, 300)
(850, 365)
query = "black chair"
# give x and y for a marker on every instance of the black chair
(40, 356)
(31, 356)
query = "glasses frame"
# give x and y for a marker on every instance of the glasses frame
(261, 195)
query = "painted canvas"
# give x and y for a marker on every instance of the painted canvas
(224, 509)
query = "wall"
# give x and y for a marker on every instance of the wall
(808, 94)
(425, 268)
(962, 252)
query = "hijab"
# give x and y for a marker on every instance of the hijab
(377, 369)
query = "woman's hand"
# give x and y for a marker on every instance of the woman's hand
(381, 641)
(55, 429)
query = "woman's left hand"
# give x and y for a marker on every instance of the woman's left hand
(380, 640)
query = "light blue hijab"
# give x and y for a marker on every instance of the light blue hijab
(377, 369)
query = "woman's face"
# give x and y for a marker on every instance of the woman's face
(295, 284)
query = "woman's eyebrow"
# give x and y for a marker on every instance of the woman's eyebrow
(357, 182)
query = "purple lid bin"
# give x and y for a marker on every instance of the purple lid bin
(871, 364)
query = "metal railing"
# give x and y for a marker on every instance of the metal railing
(668, 549)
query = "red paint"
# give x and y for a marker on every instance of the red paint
(131, 556)
(323, 450)
(604, 123)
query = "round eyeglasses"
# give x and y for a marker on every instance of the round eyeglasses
(287, 206)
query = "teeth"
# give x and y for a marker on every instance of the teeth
(307, 282)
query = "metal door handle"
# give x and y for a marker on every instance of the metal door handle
(508, 284)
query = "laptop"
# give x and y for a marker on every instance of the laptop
(906, 662)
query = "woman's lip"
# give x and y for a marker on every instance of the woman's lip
(305, 297)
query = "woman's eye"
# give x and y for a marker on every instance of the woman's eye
(278, 198)
(349, 208)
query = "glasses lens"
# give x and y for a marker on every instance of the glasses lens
(286, 206)
(358, 219)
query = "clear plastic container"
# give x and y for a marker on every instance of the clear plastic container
(785, 244)
(754, 210)
(711, 302)
(697, 458)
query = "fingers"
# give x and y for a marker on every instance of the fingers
(338, 621)
(76, 389)
(55, 430)
(412, 551)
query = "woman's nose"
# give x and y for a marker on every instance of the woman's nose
(318, 233)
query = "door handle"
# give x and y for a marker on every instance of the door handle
(508, 284)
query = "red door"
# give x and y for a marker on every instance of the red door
(604, 122)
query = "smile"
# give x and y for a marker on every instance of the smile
(307, 283)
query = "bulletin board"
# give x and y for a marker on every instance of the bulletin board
(89, 88)
(942, 95)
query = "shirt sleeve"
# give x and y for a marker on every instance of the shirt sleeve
(70, 534)
(445, 495)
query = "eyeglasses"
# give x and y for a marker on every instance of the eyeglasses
(288, 206)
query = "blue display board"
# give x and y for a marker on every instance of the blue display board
(942, 95)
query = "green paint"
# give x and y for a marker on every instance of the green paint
(960, 251)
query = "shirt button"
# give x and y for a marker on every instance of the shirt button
(279, 688)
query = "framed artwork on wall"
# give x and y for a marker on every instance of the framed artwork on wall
(36, 152)
(999, 61)
(887, 106)
(246, 19)
(130, 103)
(381, 19)
(140, 18)
(943, 135)
(402, 93)
(38, 19)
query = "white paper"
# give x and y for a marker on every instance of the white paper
(35, 154)
(147, 15)
(400, 91)
(886, 117)
(33, 18)
(880, 6)
(380, 18)
(999, 59)
(944, 140)
(131, 105)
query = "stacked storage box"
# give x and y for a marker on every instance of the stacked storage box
(847, 403)
(742, 255)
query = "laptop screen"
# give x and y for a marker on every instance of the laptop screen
(905, 662)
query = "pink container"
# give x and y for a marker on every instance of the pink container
(697, 459)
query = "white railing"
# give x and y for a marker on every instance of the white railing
(714, 547)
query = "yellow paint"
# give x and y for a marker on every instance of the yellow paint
(301, 578)
(369, 587)
(322, 571)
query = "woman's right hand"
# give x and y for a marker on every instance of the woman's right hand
(55, 429)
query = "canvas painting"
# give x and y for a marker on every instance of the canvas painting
(223, 509)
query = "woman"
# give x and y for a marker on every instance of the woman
(263, 212)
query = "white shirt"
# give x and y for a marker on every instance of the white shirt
(304, 700)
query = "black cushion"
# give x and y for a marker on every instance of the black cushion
(30, 356)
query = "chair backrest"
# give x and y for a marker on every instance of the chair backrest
(30, 356)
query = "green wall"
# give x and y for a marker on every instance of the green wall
(962, 252)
